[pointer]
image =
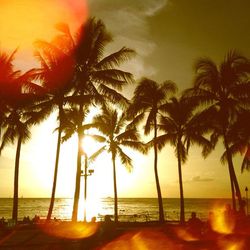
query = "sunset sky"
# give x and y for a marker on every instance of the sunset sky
(168, 35)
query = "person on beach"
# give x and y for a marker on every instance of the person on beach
(195, 225)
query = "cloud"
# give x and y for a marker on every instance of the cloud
(128, 23)
(199, 179)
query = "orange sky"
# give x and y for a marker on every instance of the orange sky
(24, 21)
(168, 37)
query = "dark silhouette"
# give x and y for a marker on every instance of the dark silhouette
(116, 135)
(195, 225)
(223, 91)
(149, 97)
(18, 95)
(181, 129)
(97, 77)
(56, 75)
(239, 138)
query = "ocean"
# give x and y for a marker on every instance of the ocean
(130, 209)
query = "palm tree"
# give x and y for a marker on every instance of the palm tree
(116, 136)
(181, 129)
(56, 75)
(239, 139)
(17, 94)
(149, 98)
(222, 91)
(7, 78)
(97, 76)
(74, 124)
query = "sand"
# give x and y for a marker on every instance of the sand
(133, 236)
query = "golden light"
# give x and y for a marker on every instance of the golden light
(93, 207)
(144, 239)
(232, 244)
(24, 21)
(89, 145)
(222, 221)
(70, 230)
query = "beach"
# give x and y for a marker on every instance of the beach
(133, 236)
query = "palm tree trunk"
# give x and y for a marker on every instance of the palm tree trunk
(52, 199)
(78, 182)
(115, 190)
(182, 211)
(16, 179)
(158, 188)
(85, 187)
(233, 178)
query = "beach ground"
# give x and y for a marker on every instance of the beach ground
(133, 236)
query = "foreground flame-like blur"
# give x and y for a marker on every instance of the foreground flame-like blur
(235, 245)
(222, 220)
(144, 239)
(70, 230)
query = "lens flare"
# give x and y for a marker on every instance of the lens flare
(223, 220)
(70, 230)
(24, 21)
(144, 239)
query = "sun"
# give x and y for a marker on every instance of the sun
(90, 145)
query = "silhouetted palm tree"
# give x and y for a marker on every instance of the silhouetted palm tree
(181, 129)
(222, 91)
(8, 77)
(239, 139)
(148, 101)
(116, 136)
(56, 75)
(97, 75)
(17, 95)
(74, 124)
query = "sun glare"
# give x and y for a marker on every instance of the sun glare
(89, 145)
(24, 21)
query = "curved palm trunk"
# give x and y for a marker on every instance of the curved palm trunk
(78, 181)
(233, 178)
(52, 199)
(182, 211)
(115, 190)
(160, 204)
(16, 179)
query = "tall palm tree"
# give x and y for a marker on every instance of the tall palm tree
(56, 75)
(115, 136)
(181, 129)
(222, 91)
(97, 75)
(17, 94)
(148, 101)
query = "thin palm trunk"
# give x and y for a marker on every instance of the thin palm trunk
(16, 179)
(160, 204)
(78, 182)
(182, 213)
(52, 199)
(115, 190)
(233, 179)
(85, 187)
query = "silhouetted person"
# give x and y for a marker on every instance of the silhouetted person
(93, 219)
(195, 225)
(36, 219)
(107, 228)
